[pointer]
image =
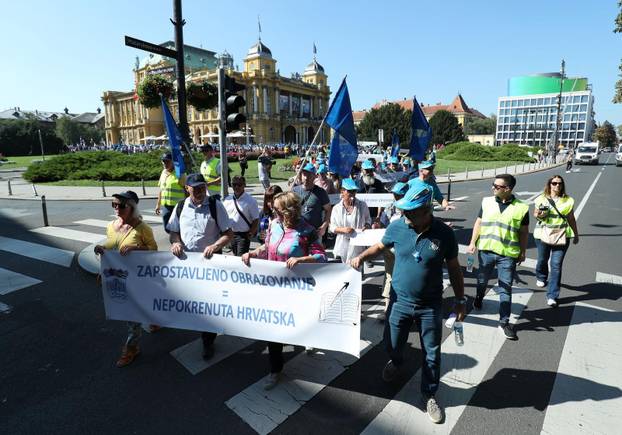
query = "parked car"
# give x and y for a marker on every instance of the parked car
(619, 156)
(587, 152)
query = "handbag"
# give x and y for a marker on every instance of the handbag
(554, 236)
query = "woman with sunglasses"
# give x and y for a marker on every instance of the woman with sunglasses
(292, 240)
(554, 210)
(267, 213)
(128, 233)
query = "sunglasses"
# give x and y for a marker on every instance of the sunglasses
(497, 187)
(119, 205)
(556, 183)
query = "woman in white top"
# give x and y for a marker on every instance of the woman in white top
(347, 216)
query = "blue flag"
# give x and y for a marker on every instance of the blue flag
(395, 143)
(174, 137)
(421, 133)
(343, 147)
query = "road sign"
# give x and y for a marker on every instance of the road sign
(162, 70)
(148, 46)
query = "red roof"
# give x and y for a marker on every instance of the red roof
(457, 106)
(359, 115)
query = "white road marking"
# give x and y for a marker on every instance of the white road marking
(190, 355)
(149, 219)
(11, 281)
(586, 396)
(93, 223)
(460, 198)
(586, 196)
(303, 377)
(15, 212)
(464, 369)
(67, 233)
(5, 309)
(37, 251)
(608, 278)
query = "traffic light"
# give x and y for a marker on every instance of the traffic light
(233, 103)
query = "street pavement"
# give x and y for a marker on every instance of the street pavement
(563, 375)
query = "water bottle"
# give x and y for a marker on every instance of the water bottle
(470, 263)
(459, 333)
(449, 323)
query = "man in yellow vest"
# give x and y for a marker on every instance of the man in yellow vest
(500, 232)
(211, 170)
(171, 189)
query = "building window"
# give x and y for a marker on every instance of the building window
(583, 108)
(584, 98)
(514, 103)
(576, 99)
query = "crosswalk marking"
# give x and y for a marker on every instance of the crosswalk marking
(4, 308)
(463, 367)
(14, 213)
(11, 281)
(304, 376)
(50, 254)
(589, 373)
(100, 223)
(67, 233)
(608, 278)
(460, 198)
(190, 355)
(149, 219)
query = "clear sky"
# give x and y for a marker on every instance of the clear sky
(67, 52)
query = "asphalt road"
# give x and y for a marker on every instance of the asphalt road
(57, 350)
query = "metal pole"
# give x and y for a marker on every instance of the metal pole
(558, 120)
(45, 211)
(178, 23)
(142, 182)
(103, 189)
(495, 171)
(466, 169)
(9, 184)
(506, 169)
(41, 143)
(34, 189)
(482, 172)
(222, 132)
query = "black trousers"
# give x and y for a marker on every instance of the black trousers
(241, 243)
(275, 353)
(208, 338)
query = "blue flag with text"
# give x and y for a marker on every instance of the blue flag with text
(343, 147)
(175, 139)
(421, 133)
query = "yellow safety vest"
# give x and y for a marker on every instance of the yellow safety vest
(565, 205)
(499, 232)
(210, 173)
(171, 190)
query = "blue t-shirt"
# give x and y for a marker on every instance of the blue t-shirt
(313, 202)
(418, 270)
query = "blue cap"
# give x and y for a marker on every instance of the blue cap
(349, 184)
(320, 161)
(166, 156)
(426, 165)
(322, 169)
(400, 188)
(309, 168)
(406, 162)
(394, 161)
(417, 196)
(368, 164)
(194, 180)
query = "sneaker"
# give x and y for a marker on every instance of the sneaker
(128, 355)
(271, 381)
(508, 331)
(309, 350)
(390, 371)
(208, 351)
(551, 302)
(540, 284)
(434, 410)
(478, 302)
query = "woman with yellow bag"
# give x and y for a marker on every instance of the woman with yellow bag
(555, 226)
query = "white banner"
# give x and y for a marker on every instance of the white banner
(371, 199)
(362, 157)
(367, 237)
(316, 305)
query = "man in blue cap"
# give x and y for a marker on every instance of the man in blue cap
(323, 181)
(316, 206)
(422, 244)
(394, 164)
(426, 175)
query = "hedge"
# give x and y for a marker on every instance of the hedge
(475, 152)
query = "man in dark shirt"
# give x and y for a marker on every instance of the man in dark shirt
(316, 206)
(422, 245)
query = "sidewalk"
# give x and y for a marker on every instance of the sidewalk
(21, 189)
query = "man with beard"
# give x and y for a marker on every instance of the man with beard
(368, 183)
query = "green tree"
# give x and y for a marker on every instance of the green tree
(445, 128)
(67, 130)
(606, 135)
(619, 130)
(20, 137)
(617, 96)
(386, 117)
(481, 126)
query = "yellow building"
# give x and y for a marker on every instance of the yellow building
(278, 109)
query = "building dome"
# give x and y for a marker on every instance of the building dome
(314, 67)
(259, 49)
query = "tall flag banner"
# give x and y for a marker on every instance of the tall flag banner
(174, 137)
(343, 147)
(421, 133)
(395, 143)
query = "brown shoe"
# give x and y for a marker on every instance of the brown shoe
(154, 328)
(128, 355)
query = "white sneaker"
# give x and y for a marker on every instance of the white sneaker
(309, 350)
(551, 302)
(540, 284)
(271, 381)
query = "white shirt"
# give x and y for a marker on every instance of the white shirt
(262, 170)
(196, 226)
(358, 219)
(248, 206)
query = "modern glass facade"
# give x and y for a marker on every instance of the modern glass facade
(528, 118)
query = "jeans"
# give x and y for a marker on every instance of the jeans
(429, 322)
(241, 243)
(506, 266)
(166, 211)
(554, 276)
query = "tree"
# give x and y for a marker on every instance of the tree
(70, 131)
(606, 135)
(445, 128)
(619, 130)
(481, 126)
(386, 117)
(617, 96)
(20, 137)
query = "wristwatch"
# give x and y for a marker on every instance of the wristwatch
(461, 301)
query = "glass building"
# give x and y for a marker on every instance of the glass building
(528, 114)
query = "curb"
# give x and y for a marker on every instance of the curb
(487, 178)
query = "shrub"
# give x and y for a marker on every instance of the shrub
(473, 152)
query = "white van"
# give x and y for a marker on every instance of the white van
(619, 156)
(586, 152)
